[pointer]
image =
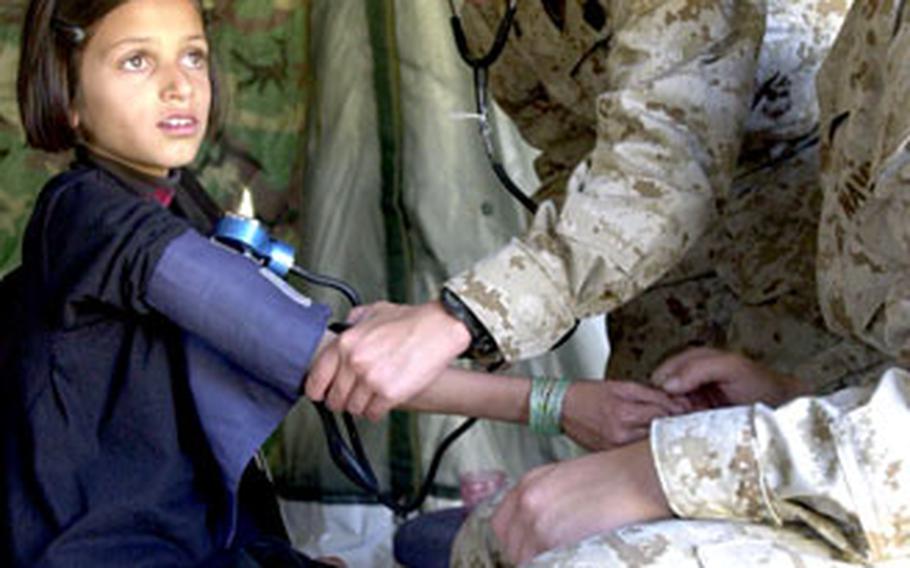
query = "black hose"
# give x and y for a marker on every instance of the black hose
(352, 459)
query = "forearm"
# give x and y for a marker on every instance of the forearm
(871, 305)
(471, 393)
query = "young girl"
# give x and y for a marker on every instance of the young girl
(142, 373)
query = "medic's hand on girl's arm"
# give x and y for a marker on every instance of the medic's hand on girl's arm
(601, 415)
(388, 355)
(560, 504)
(724, 378)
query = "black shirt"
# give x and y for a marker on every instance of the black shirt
(106, 461)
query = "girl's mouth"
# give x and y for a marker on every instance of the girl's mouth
(179, 125)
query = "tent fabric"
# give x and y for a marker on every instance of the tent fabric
(399, 196)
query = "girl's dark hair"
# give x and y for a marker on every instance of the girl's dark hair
(53, 36)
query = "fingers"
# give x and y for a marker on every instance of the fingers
(332, 365)
(377, 408)
(699, 401)
(342, 393)
(359, 400)
(637, 434)
(672, 366)
(637, 415)
(342, 386)
(634, 392)
(683, 401)
(627, 435)
(358, 313)
(630, 423)
(699, 368)
(341, 381)
(715, 396)
(321, 372)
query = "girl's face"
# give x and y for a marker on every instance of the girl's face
(144, 93)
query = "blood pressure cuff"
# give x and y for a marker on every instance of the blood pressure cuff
(249, 341)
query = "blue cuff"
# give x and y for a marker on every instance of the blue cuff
(241, 310)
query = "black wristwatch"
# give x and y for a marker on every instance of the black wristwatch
(483, 347)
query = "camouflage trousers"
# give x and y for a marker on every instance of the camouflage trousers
(671, 544)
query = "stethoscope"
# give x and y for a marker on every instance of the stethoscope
(480, 67)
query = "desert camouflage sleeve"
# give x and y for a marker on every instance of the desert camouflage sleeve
(836, 464)
(864, 237)
(668, 134)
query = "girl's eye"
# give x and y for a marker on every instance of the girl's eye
(196, 59)
(136, 62)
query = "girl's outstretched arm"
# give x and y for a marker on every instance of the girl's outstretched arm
(596, 414)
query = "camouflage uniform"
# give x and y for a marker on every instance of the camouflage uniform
(819, 481)
(656, 226)
(864, 244)
(749, 285)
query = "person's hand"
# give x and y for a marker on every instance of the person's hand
(389, 354)
(600, 415)
(560, 504)
(721, 378)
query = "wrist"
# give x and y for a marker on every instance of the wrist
(454, 330)
(568, 407)
(481, 345)
(652, 499)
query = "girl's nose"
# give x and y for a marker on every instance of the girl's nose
(175, 84)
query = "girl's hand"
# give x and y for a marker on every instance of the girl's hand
(560, 504)
(601, 415)
(721, 378)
